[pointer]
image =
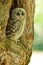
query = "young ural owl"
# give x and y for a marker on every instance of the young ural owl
(16, 24)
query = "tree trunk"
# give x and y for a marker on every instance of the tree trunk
(10, 52)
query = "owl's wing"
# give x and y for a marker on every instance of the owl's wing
(12, 28)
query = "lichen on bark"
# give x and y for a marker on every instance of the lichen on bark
(19, 53)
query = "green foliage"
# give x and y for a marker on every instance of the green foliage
(38, 26)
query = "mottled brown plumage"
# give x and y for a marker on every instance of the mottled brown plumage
(16, 24)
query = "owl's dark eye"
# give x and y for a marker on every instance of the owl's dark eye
(22, 13)
(18, 14)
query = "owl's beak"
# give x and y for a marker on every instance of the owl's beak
(21, 17)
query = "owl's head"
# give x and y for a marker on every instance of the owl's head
(19, 13)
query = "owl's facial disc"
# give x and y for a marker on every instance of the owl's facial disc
(19, 13)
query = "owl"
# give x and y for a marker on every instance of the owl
(16, 24)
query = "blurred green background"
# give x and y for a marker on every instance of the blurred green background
(38, 26)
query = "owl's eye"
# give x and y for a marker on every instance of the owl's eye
(18, 14)
(22, 13)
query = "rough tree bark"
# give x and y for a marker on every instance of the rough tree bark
(20, 53)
